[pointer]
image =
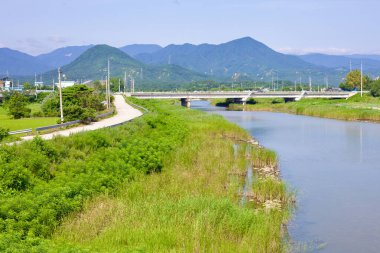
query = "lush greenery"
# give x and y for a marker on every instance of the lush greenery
(366, 108)
(375, 88)
(353, 81)
(3, 133)
(79, 102)
(17, 106)
(189, 201)
(16, 124)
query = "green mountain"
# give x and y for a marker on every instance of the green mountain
(244, 59)
(136, 49)
(92, 65)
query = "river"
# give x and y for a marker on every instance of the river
(334, 167)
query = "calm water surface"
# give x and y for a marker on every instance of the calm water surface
(335, 168)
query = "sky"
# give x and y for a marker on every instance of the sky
(288, 26)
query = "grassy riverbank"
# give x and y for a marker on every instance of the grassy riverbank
(169, 181)
(356, 108)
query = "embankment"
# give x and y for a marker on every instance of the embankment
(171, 180)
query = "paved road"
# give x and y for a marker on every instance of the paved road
(124, 111)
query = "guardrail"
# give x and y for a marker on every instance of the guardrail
(72, 122)
(106, 114)
(20, 131)
(57, 125)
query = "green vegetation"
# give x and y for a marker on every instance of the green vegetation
(353, 81)
(366, 108)
(375, 88)
(17, 124)
(79, 102)
(17, 106)
(168, 181)
(3, 133)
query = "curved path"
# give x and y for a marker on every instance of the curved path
(124, 111)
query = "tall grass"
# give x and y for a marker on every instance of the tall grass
(192, 205)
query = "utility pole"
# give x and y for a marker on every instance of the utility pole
(309, 83)
(125, 80)
(108, 84)
(361, 79)
(60, 93)
(119, 85)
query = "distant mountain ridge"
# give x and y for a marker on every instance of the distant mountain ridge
(233, 61)
(343, 62)
(245, 57)
(62, 56)
(21, 64)
(14, 62)
(92, 64)
(136, 49)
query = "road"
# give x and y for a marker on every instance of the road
(124, 111)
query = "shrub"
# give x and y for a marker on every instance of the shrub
(3, 133)
(375, 88)
(17, 106)
(37, 114)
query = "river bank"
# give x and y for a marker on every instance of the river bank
(171, 180)
(356, 108)
(333, 165)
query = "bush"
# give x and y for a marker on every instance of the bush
(43, 181)
(278, 101)
(17, 106)
(37, 114)
(375, 88)
(3, 133)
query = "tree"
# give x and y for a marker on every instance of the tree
(17, 106)
(27, 86)
(375, 88)
(353, 81)
(79, 102)
(115, 84)
(98, 86)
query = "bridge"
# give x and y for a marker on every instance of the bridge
(241, 96)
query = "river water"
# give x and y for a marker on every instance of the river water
(334, 167)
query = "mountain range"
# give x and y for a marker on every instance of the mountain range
(371, 63)
(92, 65)
(237, 60)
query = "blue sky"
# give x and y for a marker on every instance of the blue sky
(290, 26)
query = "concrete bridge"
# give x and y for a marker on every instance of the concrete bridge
(241, 96)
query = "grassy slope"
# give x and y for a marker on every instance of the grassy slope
(167, 181)
(192, 206)
(354, 108)
(17, 124)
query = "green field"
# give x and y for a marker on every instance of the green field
(356, 108)
(169, 181)
(17, 124)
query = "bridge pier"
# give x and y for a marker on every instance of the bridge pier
(186, 102)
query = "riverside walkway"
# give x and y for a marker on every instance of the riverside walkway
(125, 112)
